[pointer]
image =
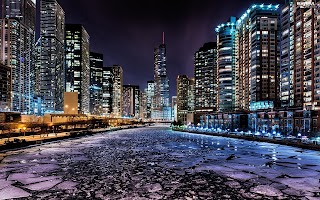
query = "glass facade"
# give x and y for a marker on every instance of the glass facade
(107, 91)
(161, 109)
(17, 42)
(96, 75)
(226, 65)
(52, 71)
(205, 78)
(78, 64)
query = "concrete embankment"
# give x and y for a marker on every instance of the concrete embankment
(25, 141)
(257, 139)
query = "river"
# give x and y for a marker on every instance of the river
(157, 163)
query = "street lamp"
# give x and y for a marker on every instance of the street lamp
(24, 131)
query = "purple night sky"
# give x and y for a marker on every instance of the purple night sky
(126, 31)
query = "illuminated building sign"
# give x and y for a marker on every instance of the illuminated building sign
(261, 105)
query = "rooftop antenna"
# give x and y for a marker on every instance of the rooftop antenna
(162, 37)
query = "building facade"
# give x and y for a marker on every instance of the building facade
(17, 45)
(22, 10)
(161, 109)
(117, 92)
(131, 101)
(96, 75)
(205, 73)
(107, 91)
(78, 64)
(182, 98)
(258, 59)
(52, 71)
(300, 53)
(226, 65)
(5, 88)
(150, 99)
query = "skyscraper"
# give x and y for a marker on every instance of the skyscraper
(226, 65)
(150, 99)
(22, 10)
(96, 75)
(107, 91)
(52, 72)
(131, 101)
(17, 44)
(162, 109)
(182, 98)
(117, 98)
(5, 88)
(257, 58)
(300, 53)
(205, 72)
(143, 105)
(78, 64)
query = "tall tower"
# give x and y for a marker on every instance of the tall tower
(17, 45)
(183, 98)
(205, 72)
(96, 76)
(22, 10)
(300, 53)
(258, 57)
(52, 71)
(117, 91)
(78, 64)
(162, 109)
(226, 65)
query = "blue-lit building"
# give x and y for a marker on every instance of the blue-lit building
(226, 65)
(258, 56)
(161, 109)
(17, 46)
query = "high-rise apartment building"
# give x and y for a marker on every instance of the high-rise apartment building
(5, 88)
(52, 72)
(117, 90)
(205, 72)
(150, 99)
(107, 91)
(161, 109)
(131, 101)
(182, 98)
(226, 65)
(143, 105)
(300, 54)
(17, 45)
(258, 58)
(96, 75)
(22, 10)
(78, 64)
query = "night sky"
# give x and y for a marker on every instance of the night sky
(126, 31)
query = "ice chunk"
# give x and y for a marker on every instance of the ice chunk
(67, 185)
(46, 185)
(12, 192)
(266, 190)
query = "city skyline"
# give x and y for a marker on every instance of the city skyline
(186, 24)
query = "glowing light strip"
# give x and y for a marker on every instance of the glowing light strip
(272, 7)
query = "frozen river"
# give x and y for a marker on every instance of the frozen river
(155, 163)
